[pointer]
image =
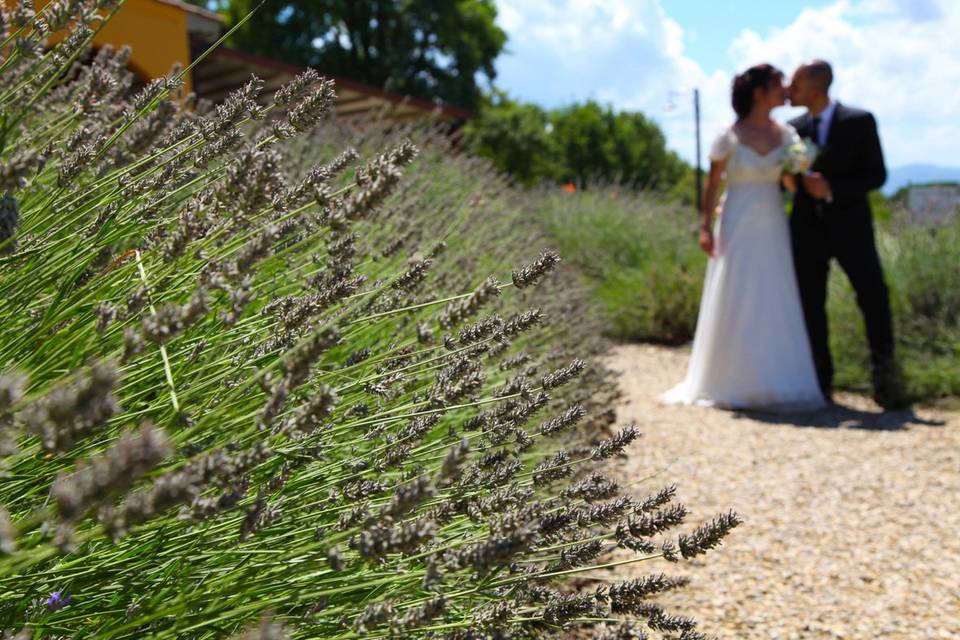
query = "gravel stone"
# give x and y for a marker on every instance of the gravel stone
(852, 516)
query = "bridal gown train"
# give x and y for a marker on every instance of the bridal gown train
(751, 348)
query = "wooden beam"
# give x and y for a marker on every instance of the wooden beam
(342, 102)
(213, 68)
(226, 82)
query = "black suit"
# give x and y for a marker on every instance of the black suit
(851, 160)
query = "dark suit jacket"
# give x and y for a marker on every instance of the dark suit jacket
(852, 162)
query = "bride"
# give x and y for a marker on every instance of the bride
(751, 348)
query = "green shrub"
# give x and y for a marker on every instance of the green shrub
(250, 374)
(579, 143)
(921, 270)
(638, 253)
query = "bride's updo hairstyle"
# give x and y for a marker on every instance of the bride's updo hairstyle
(746, 84)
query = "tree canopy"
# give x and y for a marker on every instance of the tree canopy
(516, 137)
(582, 143)
(437, 50)
(430, 49)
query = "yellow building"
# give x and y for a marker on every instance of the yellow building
(162, 33)
(159, 32)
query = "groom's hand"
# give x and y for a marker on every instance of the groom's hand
(817, 186)
(789, 182)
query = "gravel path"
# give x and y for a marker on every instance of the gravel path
(852, 517)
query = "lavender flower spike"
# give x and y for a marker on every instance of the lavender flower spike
(57, 601)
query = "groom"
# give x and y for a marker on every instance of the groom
(832, 219)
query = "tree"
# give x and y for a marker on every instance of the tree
(597, 144)
(515, 136)
(582, 143)
(430, 49)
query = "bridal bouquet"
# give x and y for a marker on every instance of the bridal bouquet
(799, 156)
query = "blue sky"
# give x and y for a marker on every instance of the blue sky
(894, 57)
(708, 25)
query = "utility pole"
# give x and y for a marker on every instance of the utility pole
(699, 172)
(670, 106)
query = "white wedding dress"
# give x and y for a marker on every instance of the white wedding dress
(751, 350)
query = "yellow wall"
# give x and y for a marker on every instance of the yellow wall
(156, 31)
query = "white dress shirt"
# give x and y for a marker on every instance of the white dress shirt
(826, 117)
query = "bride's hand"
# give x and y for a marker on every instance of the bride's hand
(706, 241)
(789, 182)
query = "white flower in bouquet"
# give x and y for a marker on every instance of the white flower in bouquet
(799, 156)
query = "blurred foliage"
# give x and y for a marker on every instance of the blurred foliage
(429, 49)
(437, 51)
(638, 254)
(516, 137)
(584, 143)
(882, 206)
(921, 270)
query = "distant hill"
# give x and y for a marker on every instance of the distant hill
(918, 174)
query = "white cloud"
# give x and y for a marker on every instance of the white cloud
(894, 57)
(625, 52)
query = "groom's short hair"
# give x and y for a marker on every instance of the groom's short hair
(820, 73)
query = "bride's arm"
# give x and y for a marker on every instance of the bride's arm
(708, 204)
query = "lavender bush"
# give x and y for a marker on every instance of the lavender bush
(263, 375)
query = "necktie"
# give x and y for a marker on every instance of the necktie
(816, 129)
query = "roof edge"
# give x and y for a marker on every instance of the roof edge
(450, 111)
(190, 8)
